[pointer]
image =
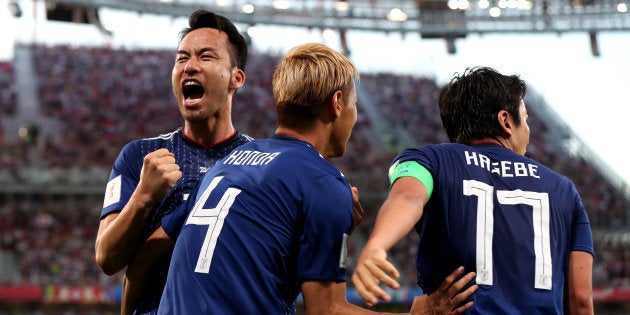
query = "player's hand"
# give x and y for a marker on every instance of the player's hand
(358, 213)
(159, 174)
(372, 269)
(447, 299)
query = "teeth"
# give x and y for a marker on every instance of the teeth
(187, 83)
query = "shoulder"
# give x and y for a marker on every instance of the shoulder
(428, 152)
(304, 160)
(165, 140)
(140, 147)
(244, 137)
(170, 136)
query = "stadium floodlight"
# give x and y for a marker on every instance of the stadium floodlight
(280, 4)
(248, 8)
(397, 15)
(494, 12)
(342, 6)
(222, 3)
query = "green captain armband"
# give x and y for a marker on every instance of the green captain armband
(412, 169)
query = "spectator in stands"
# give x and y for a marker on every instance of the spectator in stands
(272, 219)
(86, 135)
(478, 202)
(151, 177)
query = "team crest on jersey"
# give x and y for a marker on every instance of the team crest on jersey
(112, 191)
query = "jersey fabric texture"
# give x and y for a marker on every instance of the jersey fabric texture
(193, 160)
(271, 214)
(503, 215)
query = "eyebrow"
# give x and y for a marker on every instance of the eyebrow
(201, 51)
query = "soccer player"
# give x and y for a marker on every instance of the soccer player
(480, 203)
(272, 218)
(151, 177)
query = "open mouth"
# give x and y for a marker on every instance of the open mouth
(192, 90)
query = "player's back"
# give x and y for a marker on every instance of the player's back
(505, 216)
(239, 249)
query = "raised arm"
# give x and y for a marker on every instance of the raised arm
(580, 283)
(397, 216)
(119, 233)
(136, 277)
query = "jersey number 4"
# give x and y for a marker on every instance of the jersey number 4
(485, 229)
(213, 218)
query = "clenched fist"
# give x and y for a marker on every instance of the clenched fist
(159, 174)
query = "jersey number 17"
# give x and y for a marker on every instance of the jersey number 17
(485, 229)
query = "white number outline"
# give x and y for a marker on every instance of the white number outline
(213, 218)
(485, 229)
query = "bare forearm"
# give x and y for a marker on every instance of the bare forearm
(395, 219)
(119, 234)
(347, 309)
(329, 298)
(157, 247)
(579, 282)
(135, 281)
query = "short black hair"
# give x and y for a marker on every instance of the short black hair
(470, 102)
(204, 18)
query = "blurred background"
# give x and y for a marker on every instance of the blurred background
(79, 79)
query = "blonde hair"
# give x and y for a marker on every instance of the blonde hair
(306, 79)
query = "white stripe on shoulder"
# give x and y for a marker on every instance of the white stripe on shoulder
(163, 136)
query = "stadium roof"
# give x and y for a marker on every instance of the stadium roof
(431, 18)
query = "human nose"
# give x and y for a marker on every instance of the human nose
(190, 67)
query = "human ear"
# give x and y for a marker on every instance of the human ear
(337, 104)
(237, 79)
(505, 121)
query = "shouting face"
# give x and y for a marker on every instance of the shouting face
(203, 77)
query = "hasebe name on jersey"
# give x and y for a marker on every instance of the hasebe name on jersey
(502, 168)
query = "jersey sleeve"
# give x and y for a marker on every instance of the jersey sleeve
(123, 178)
(327, 221)
(411, 169)
(581, 236)
(425, 156)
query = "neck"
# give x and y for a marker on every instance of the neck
(312, 136)
(209, 135)
(495, 141)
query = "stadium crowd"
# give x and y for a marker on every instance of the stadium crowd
(102, 98)
(8, 91)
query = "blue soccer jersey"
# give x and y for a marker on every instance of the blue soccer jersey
(274, 212)
(503, 215)
(193, 159)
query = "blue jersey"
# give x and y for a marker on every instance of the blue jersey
(193, 160)
(271, 214)
(505, 216)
